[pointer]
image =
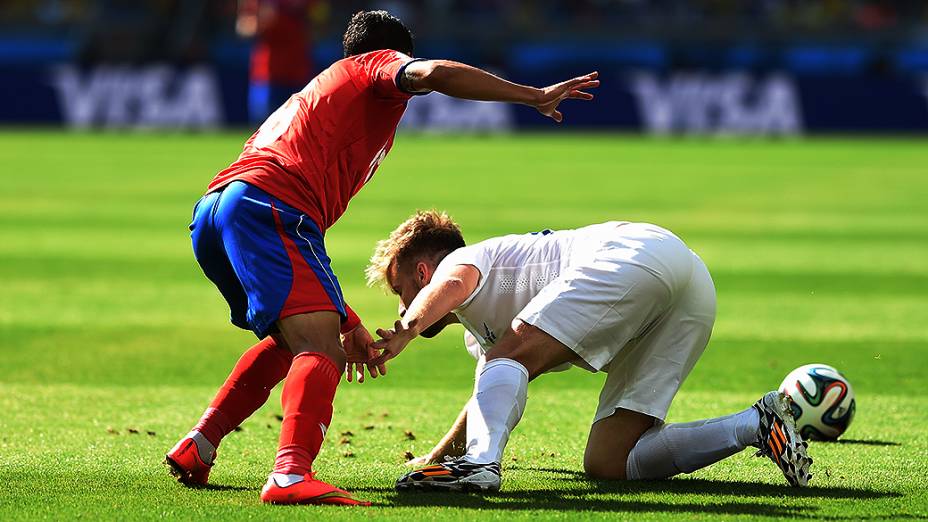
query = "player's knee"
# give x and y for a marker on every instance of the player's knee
(531, 347)
(338, 357)
(604, 469)
(531, 364)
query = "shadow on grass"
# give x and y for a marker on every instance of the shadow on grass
(573, 499)
(564, 501)
(865, 442)
(223, 487)
(715, 487)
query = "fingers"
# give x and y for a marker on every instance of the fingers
(584, 82)
(579, 86)
(385, 334)
(585, 85)
(382, 359)
(419, 461)
(351, 371)
(355, 372)
(375, 370)
(379, 360)
(574, 89)
(580, 95)
(398, 326)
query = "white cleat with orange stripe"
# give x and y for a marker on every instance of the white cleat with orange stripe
(453, 475)
(778, 438)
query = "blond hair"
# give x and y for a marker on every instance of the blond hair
(425, 233)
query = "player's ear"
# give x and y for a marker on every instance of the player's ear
(423, 273)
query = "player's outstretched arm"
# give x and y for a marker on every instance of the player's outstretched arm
(464, 81)
(437, 299)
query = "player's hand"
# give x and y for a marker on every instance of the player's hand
(553, 95)
(359, 350)
(438, 454)
(420, 461)
(392, 342)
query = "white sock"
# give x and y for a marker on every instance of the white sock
(204, 447)
(495, 409)
(668, 449)
(286, 479)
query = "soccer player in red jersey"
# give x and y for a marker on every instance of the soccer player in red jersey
(279, 62)
(258, 236)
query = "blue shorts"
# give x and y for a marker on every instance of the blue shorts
(265, 98)
(267, 258)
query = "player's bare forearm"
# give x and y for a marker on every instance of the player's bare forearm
(464, 81)
(452, 444)
(434, 302)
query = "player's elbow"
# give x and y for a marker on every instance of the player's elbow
(456, 290)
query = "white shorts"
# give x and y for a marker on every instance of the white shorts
(640, 306)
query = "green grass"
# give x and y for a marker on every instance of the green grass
(819, 249)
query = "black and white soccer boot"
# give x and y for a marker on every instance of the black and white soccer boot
(453, 475)
(779, 439)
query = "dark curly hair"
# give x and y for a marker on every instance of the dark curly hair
(374, 30)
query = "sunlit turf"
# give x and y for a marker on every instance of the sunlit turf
(819, 250)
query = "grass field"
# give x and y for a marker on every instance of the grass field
(112, 342)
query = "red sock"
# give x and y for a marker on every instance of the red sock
(246, 389)
(307, 401)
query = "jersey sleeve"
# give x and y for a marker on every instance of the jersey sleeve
(351, 320)
(476, 256)
(384, 70)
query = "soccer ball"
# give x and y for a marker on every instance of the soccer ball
(822, 401)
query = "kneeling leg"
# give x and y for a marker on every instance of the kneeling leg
(664, 450)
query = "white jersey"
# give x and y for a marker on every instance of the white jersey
(630, 299)
(513, 269)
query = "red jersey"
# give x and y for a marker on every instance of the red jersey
(279, 55)
(318, 149)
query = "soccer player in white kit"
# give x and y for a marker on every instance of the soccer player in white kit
(629, 299)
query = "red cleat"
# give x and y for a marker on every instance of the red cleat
(307, 491)
(186, 464)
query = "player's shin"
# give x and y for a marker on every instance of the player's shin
(669, 449)
(307, 403)
(495, 409)
(245, 390)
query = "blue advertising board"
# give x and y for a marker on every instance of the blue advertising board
(691, 102)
